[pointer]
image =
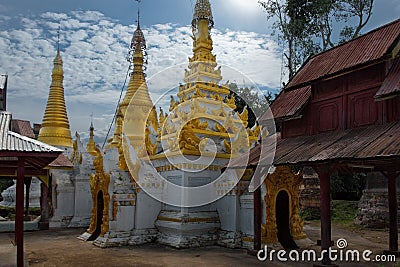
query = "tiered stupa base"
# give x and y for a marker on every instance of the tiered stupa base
(188, 229)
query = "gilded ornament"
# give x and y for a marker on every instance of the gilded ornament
(282, 178)
(244, 116)
(172, 104)
(99, 182)
(230, 101)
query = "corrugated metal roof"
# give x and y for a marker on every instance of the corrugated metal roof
(3, 81)
(289, 103)
(391, 84)
(372, 142)
(364, 49)
(10, 141)
(22, 127)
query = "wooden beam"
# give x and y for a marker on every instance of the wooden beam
(19, 220)
(29, 172)
(325, 208)
(257, 218)
(393, 228)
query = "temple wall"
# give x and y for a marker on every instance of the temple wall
(373, 208)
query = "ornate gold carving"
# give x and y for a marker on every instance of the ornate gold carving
(283, 178)
(162, 117)
(197, 124)
(220, 128)
(99, 182)
(198, 93)
(217, 97)
(230, 101)
(244, 116)
(254, 133)
(188, 140)
(172, 103)
(76, 156)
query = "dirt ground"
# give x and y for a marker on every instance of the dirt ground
(62, 248)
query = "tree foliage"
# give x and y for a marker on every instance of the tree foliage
(305, 27)
(247, 96)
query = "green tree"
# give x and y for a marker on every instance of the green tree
(305, 27)
(247, 96)
(4, 184)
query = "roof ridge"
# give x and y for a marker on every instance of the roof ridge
(358, 37)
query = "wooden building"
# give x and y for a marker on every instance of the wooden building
(341, 112)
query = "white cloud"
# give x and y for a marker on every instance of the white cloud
(94, 49)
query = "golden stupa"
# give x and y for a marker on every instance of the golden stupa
(55, 129)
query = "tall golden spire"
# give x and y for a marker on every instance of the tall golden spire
(55, 129)
(91, 146)
(137, 98)
(138, 58)
(202, 66)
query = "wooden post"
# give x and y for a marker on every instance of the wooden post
(19, 218)
(27, 183)
(325, 209)
(393, 228)
(257, 219)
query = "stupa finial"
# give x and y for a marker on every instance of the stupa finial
(202, 10)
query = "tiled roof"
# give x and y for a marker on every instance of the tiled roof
(61, 162)
(22, 127)
(368, 48)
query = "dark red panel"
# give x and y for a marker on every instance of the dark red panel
(326, 115)
(363, 110)
(393, 109)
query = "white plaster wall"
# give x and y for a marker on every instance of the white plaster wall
(147, 210)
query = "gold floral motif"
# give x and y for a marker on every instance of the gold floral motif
(217, 97)
(76, 156)
(162, 117)
(188, 140)
(172, 104)
(198, 93)
(244, 116)
(255, 132)
(230, 101)
(220, 128)
(197, 124)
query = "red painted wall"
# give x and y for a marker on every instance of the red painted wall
(344, 102)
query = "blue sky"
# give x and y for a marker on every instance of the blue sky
(94, 42)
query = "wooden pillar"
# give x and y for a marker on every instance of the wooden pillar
(325, 209)
(257, 219)
(19, 218)
(27, 182)
(393, 228)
